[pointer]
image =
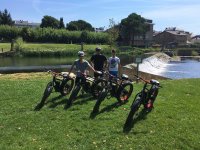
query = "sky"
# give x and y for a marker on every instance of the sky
(183, 14)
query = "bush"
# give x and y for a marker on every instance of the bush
(50, 35)
(195, 53)
(19, 44)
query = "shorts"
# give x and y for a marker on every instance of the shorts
(114, 73)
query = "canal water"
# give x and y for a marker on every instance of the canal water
(33, 64)
(184, 69)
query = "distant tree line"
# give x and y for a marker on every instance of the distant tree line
(54, 30)
(80, 25)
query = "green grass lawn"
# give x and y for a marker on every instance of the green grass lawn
(52, 49)
(173, 124)
(5, 46)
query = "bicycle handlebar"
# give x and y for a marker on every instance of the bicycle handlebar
(140, 78)
(55, 73)
(149, 81)
(106, 72)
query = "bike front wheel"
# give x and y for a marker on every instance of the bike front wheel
(73, 95)
(124, 92)
(46, 94)
(102, 96)
(134, 108)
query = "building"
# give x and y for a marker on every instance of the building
(21, 23)
(195, 39)
(172, 36)
(100, 29)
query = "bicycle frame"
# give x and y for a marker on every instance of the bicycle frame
(145, 97)
(149, 93)
(57, 80)
(113, 84)
(60, 83)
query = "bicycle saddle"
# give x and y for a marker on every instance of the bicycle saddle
(155, 82)
(124, 77)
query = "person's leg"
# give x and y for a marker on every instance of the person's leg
(96, 75)
(77, 80)
(114, 73)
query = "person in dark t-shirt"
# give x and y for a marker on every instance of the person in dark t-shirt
(98, 61)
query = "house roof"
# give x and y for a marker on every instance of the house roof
(177, 32)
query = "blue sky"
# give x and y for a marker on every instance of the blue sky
(183, 14)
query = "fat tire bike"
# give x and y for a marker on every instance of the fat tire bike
(85, 84)
(61, 83)
(120, 88)
(145, 97)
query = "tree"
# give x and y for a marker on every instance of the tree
(133, 25)
(48, 21)
(79, 25)
(5, 18)
(113, 32)
(61, 23)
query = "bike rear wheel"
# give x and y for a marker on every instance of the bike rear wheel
(97, 87)
(124, 92)
(66, 86)
(102, 96)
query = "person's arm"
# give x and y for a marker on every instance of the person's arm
(71, 69)
(105, 63)
(92, 61)
(92, 68)
(108, 64)
(119, 68)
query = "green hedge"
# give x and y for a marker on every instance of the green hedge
(49, 35)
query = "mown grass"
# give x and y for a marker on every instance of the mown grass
(5, 47)
(52, 49)
(173, 124)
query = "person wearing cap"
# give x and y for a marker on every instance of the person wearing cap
(81, 66)
(114, 64)
(98, 61)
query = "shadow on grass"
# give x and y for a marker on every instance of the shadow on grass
(141, 116)
(85, 98)
(42, 103)
(55, 103)
(108, 108)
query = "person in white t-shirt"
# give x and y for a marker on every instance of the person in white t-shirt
(114, 64)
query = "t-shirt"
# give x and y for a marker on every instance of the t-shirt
(113, 63)
(80, 66)
(98, 61)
